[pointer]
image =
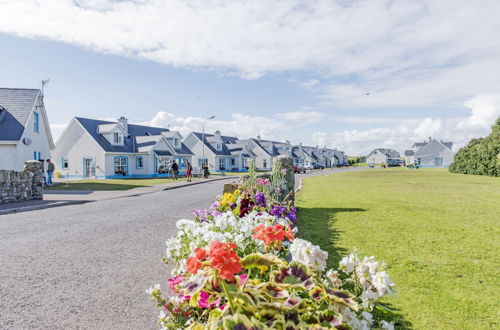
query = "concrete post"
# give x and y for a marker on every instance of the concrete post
(284, 164)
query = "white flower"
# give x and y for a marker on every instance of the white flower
(347, 263)
(308, 254)
(382, 283)
(387, 325)
(333, 276)
(150, 290)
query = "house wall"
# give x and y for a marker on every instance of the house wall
(377, 158)
(196, 147)
(40, 140)
(429, 160)
(76, 144)
(261, 155)
(8, 156)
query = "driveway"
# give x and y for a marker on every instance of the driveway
(87, 266)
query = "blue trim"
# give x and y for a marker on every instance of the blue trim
(34, 155)
(36, 122)
(62, 163)
(39, 155)
(137, 162)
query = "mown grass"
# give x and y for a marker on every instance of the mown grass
(437, 231)
(110, 184)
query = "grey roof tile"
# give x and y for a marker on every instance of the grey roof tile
(18, 103)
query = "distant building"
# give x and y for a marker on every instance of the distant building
(90, 148)
(24, 128)
(431, 153)
(219, 152)
(383, 156)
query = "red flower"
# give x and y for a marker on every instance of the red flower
(224, 259)
(246, 205)
(193, 265)
(200, 253)
(271, 234)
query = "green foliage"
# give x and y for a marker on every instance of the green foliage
(481, 156)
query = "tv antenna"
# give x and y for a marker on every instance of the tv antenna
(44, 82)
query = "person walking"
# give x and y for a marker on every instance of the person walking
(50, 172)
(189, 172)
(175, 170)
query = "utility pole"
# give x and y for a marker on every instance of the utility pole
(203, 140)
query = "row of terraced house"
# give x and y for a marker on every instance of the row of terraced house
(91, 148)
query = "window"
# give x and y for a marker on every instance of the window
(121, 166)
(218, 145)
(162, 165)
(117, 138)
(202, 161)
(222, 164)
(182, 162)
(233, 161)
(36, 122)
(139, 162)
(264, 163)
(64, 163)
(177, 143)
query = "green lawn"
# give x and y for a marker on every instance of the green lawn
(111, 184)
(437, 231)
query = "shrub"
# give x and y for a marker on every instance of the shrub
(481, 156)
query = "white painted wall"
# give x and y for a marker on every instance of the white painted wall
(75, 144)
(376, 158)
(8, 157)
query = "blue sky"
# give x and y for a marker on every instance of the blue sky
(296, 70)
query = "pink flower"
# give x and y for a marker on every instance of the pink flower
(203, 301)
(173, 282)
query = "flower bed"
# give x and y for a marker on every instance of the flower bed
(238, 265)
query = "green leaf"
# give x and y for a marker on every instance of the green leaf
(261, 261)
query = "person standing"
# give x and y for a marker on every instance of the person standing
(189, 172)
(175, 170)
(50, 172)
(44, 171)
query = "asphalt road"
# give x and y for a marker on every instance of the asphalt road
(87, 266)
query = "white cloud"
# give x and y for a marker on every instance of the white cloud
(302, 116)
(484, 111)
(240, 125)
(320, 139)
(416, 52)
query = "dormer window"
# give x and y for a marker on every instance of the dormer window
(117, 138)
(177, 143)
(218, 146)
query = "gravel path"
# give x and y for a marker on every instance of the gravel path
(87, 266)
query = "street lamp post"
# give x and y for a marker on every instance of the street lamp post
(203, 140)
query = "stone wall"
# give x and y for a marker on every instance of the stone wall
(22, 186)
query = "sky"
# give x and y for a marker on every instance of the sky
(346, 74)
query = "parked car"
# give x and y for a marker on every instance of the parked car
(299, 169)
(318, 167)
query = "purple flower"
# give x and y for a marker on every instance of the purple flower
(204, 302)
(292, 217)
(260, 199)
(277, 210)
(214, 205)
(216, 213)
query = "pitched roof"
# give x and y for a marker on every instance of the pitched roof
(409, 153)
(18, 103)
(210, 138)
(130, 143)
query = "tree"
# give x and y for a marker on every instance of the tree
(481, 156)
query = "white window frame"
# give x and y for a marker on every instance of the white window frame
(222, 162)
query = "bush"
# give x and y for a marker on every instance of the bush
(481, 156)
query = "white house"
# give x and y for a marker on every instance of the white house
(24, 128)
(219, 152)
(383, 156)
(90, 148)
(431, 153)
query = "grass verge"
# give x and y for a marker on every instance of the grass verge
(110, 184)
(437, 231)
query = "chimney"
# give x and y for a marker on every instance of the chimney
(258, 137)
(123, 123)
(217, 132)
(430, 139)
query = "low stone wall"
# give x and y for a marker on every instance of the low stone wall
(24, 185)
